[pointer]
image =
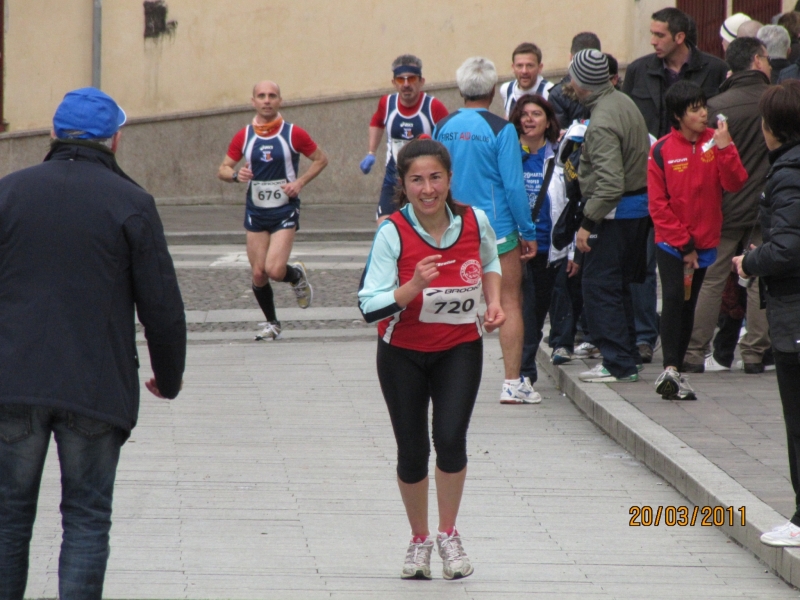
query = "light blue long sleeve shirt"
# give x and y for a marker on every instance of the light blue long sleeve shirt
(487, 170)
(380, 280)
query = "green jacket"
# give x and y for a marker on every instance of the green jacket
(615, 151)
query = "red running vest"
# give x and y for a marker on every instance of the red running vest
(445, 314)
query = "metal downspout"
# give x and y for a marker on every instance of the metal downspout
(97, 39)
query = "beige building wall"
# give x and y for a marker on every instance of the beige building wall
(313, 48)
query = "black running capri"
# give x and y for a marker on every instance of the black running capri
(450, 379)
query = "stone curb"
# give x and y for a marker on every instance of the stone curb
(202, 238)
(693, 475)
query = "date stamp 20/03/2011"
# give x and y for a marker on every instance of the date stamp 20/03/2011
(685, 516)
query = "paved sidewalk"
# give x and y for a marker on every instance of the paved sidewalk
(266, 479)
(727, 448)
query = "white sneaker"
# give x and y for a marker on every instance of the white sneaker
(599, 374)
(668, 383)
(587, 350)
(519, 392)
(783, 535)
(271, 331)
(418, 560)
(303, 292)
(455, 561)
(712, 365)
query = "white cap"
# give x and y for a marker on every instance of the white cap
(731, 25)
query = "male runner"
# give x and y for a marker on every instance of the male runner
(404, 115)
(271, 148)
(526, 62)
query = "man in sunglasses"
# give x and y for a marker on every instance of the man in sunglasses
(404, 115)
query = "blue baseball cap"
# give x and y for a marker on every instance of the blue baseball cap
(87, 113)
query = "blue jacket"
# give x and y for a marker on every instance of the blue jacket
(487, 171)
(81, 246)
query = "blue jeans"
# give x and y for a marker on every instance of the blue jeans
(88, 452)
(645, 297)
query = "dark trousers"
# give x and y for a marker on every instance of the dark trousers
(410, 381)
(645, 297)
(566, 307)
(537, 290)
(726, 339)
(787, 368)
(617, 258)
(677, 314)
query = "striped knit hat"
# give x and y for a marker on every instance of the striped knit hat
(589, 69)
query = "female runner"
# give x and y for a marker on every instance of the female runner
(423, 280)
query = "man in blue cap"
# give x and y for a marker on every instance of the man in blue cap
(81, 248)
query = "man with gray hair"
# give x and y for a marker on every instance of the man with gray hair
(487, 174)
(778, 43)
(404, 115)
(613, 234)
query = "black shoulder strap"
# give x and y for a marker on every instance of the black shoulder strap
(657, 154)
(543, 191)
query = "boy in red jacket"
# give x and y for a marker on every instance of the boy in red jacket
(687, 172)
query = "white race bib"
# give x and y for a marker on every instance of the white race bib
(397, 145)
(451, 305)
(268, 194)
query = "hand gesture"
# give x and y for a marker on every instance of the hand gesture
(425, 272)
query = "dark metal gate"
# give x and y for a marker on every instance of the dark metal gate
(709, 15)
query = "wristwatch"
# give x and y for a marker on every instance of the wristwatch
(235, 177)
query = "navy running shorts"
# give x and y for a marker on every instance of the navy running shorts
(272, 219)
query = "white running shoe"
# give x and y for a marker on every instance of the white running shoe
(712, 365)
(685, 391)
(303, 292)
(783, 535)
(519, 392)
(561, 356)
(599, 374)
(456, 562)
(587, 350)
(271, 331)
(668, 384)
(418, 560)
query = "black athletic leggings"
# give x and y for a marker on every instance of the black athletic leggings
(677, 314)
(409, 380)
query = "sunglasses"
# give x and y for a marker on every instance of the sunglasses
(406, 79)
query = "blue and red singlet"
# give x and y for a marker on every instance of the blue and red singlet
(274, 161)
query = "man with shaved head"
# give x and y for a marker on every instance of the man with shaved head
(271, 149)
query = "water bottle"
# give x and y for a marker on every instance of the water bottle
(688, 275)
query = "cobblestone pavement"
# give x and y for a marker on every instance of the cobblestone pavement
(218, 278)
(215, 289)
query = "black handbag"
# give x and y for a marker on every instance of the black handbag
(570, 219)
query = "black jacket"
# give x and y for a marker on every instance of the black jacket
(566, 106)
(738, 100)
(777, 260)
(81, 245)
(646, 83)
